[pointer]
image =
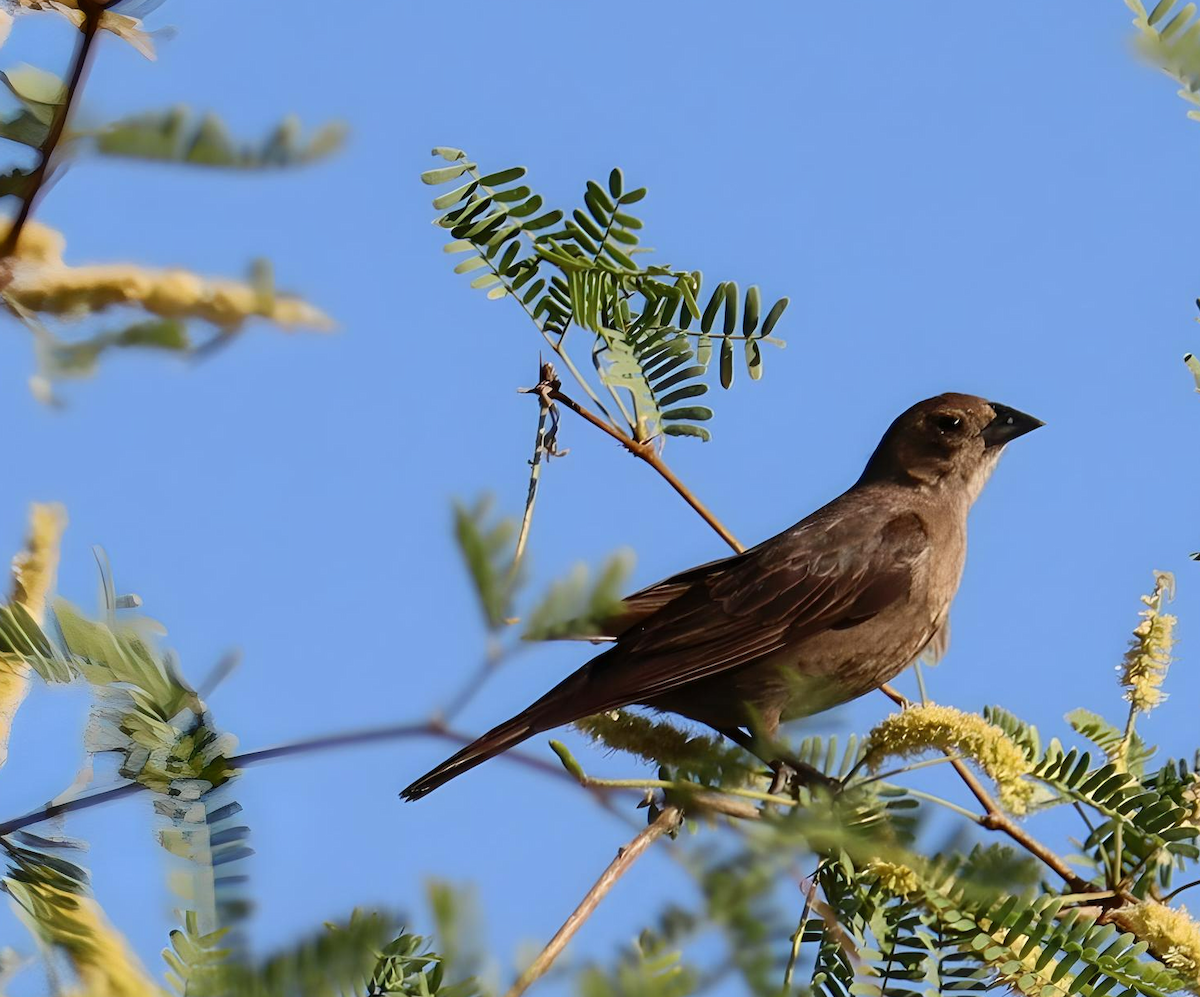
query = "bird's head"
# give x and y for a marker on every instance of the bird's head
(951, 439)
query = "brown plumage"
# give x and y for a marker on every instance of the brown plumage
(820, 614)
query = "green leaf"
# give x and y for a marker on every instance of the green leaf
(620, 257)
(474, 263)
(445, 173)
(774, 315)
(26, 128)
(1159, 10)
(726, 363)
(753, 359)
(568, 760)
(687, 391)
(750, 320)
(512, 194)
(694, 413)
(731, 307)
(543, 221)
(502, 177)
(687, 429)
(616, 182)
(711, 309)
(448, 153)
(527, 207)
(486, 550)
(586, 223)
(603, 206)
(453, 197)
(40, 91)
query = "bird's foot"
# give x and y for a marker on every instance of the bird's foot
(791, 774)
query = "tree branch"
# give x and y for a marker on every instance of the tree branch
(644, 450)
(430, 728)
(93, 11)
(666, 821)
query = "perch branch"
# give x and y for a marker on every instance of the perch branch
(644, 450)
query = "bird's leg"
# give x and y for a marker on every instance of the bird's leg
(785, 770)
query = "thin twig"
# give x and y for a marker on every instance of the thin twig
(931, 798)
(645, 450)
(687, 788)
(308, 746)
(1174, 893)
(92, 13)
(666, 821)
(543, 443)
(995, 819)
(798, 937)
(905, 769)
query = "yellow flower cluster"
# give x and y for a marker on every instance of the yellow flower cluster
(895, 877)
(37, 243)
(98, 953)
(919, 728)
(662, 742)
(33, 577)
(34, 568)
(1149, 655)
(42, 282)
(1171, 934)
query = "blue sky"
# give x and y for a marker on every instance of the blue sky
(997, 201)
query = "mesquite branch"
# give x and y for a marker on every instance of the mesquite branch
(93, 11)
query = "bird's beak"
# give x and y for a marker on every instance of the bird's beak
(1008, 425)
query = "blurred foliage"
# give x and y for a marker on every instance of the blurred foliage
(174, 136)
(649, 970)
(577, 606)
(43, 293)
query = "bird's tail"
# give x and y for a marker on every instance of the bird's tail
(498, 739)
(566, 702)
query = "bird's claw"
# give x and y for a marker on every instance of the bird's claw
(794, 774)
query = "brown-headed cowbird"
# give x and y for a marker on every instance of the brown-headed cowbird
(816, 616)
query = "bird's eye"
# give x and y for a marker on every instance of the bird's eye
(948, 423)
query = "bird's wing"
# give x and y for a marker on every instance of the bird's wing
(828, 573)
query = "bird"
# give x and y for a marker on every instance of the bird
(816, 616)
